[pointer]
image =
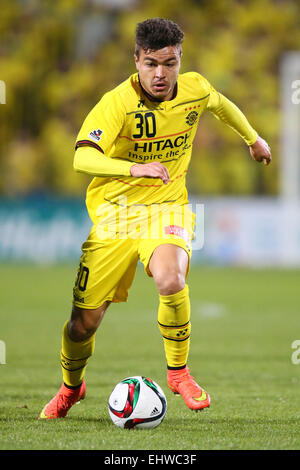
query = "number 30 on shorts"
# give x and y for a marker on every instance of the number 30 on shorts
(82, 277)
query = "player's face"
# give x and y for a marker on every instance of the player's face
(158, 71)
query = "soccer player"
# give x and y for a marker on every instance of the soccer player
(137, 144)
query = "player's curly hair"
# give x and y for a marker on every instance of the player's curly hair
(157, 33)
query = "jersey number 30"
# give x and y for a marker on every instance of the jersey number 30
(145, 125)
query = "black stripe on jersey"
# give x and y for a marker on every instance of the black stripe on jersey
(193, 101)
(145, 110)
(146, 205)
(161, 109)
(88, 143)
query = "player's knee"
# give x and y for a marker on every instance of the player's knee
(80, 331)
(84, 323)
(170, 282)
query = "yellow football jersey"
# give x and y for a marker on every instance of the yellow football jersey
(125, 124)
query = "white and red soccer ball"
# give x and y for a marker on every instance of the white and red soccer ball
(137, 402)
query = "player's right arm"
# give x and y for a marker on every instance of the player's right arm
(92, 162)
(88, 160)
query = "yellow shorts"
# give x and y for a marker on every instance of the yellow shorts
(110, 254)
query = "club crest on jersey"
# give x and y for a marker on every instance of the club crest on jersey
(96, 135)
(191, 118)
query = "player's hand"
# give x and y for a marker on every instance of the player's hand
(260, 151)
(150, 170)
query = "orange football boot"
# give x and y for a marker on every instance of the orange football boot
(65, 398)
(181, 382)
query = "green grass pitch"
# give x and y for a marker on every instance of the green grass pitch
(243, 325)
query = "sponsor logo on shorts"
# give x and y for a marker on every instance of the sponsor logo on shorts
(178, 231)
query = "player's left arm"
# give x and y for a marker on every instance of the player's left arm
(230, 114)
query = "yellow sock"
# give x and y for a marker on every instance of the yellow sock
(175, 327)
(74, 357)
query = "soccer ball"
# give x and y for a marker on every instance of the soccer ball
(137, 402)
